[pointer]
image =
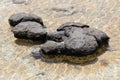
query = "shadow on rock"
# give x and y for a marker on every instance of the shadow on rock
(24, 42)
(75, 60)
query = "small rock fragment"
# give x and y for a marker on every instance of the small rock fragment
(63, 7)
(35, 53)
(18, 1)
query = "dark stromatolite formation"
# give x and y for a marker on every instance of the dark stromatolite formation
(28, 26)
(79, 44)
(72, 42)
(23, 17)
(30, 30)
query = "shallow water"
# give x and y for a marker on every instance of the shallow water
(16, 62)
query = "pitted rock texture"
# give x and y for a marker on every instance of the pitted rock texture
(56, 36)
(23, 17)
(80, 41)
(82, 45)
(30, 30)
(100, 36)
(52, 48)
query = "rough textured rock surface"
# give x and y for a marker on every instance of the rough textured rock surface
(56, 36)
(82, 45)
(99, 35)
(16, 62)
(30, 30)
(71, 24)
(80, 41)
(23, 17)
(52, 48)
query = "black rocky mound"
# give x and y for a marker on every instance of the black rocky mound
(28, 26)
(76, 40)
(70, 41)
(23, 17)
(30, 30)
(73, 42)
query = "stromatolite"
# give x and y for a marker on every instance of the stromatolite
(23, 17)
(30, 30)
(28, 26)
(71, 42)
(80, 44)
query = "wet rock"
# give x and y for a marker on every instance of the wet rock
(23, 17)
(35, 53)
(30, 30)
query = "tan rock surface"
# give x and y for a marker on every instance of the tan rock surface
(16, 62)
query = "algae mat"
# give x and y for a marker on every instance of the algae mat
(16, 62)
